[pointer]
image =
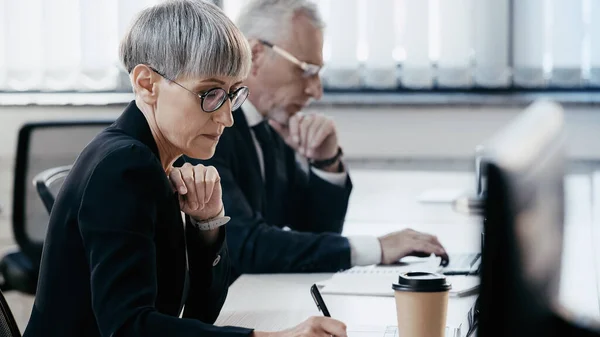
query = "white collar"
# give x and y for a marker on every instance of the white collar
(253, 117)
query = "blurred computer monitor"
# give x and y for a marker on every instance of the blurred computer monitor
(524, 219)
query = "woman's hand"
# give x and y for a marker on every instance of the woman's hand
(312, 327)
(199, 189)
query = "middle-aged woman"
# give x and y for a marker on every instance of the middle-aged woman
(119, 259)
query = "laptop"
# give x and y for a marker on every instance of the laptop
(462, 264)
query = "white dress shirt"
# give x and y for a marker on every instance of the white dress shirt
(364, 250)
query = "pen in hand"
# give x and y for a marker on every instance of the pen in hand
(316, 295)
(314, 291)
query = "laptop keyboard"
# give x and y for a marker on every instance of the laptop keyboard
(390, 331)
(462, 263)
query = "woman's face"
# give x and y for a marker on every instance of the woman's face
(183, 122)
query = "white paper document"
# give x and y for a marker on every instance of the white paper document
(378, 280)
(391, 331)
(281, 320)
(265, 320)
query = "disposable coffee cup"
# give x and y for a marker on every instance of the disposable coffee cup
(421, 304)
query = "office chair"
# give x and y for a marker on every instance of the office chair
(8, 325)
(40, 145)
(49, 182)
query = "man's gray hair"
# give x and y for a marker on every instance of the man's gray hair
(271, 19)
(186, 38)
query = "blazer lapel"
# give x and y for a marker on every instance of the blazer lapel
(170, 256)
(169, 231)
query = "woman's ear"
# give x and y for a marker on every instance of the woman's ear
(258, 55)
(144, 81)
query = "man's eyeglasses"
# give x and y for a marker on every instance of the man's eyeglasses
(214, 98)
(307, 68)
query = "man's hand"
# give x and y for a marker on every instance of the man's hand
(408, 242)
(199, 189)
(312, 135)
(312, 327)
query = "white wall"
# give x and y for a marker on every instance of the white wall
(390, 132)
(416, 132)
(378, 132)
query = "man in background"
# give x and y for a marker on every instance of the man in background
(285, 184)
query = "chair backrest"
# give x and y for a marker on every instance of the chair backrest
(48, 184)
(40, 146)
(8, 325)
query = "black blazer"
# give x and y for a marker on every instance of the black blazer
(313, 208)
(114, 259)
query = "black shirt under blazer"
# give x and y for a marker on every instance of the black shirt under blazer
(114, 259)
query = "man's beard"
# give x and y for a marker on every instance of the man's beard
(280, 116)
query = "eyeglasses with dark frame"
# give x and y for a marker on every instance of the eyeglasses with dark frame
(308, 69)
(213, 99)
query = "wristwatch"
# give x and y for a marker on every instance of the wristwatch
(210, 224)
(327, 162)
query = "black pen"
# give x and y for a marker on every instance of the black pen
(316, 295)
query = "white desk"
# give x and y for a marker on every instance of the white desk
(391, 197)
(273, 302)
(385, 201)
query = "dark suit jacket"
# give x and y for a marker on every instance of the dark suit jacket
(313, 208)
(114, 259)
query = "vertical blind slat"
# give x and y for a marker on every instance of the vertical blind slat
(594, 41)
(567, 43)
(417, 71)
(64, 45)
(530, 48)
(24, 46)
(342, 71)
(3, 49)
(456, 43)
(380, 66)
(491, 43)
(61, 44)
(99, 45)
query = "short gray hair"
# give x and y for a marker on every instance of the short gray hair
(189, 38)
(271, 19)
